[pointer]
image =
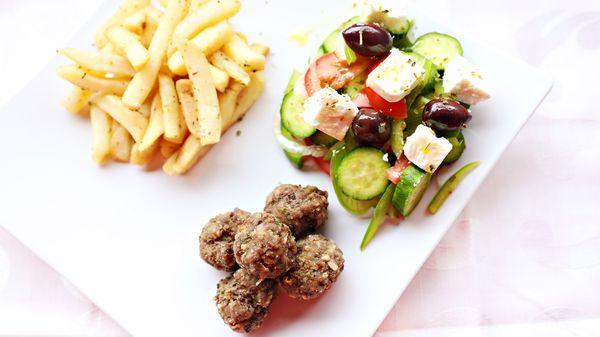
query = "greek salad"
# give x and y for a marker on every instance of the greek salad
(380, 111)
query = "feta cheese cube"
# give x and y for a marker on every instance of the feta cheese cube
(330, 112)
(390, 14)
(465, 81)
(425, 150)
(395, 77)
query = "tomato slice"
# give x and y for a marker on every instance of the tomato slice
(394, 173)
(323, 165)
(395, 110)
(330, 70)
(311, 79)
(346, 74)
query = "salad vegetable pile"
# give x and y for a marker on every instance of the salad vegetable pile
(380, 112)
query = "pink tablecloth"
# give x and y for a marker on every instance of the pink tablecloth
(524, 258)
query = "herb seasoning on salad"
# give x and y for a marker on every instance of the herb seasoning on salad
(380, 112)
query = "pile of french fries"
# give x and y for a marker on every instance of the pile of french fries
(166, 82)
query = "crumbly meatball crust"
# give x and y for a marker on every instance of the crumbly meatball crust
(216, 239)
(243, 300)
(303, 209)
(318, 264)
(264, 247)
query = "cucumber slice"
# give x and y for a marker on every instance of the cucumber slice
(381, 210)
(323, 139)
(426, 83)
(399, 30)
(397, 137)
(439, 48)
(332, 42)
(401, 41)
(292, 107)
(362, 174)
(350, 54)
(449, 186)
(458, 147)
(356, 85)
(292, 81)
(296, 159)
(338, 152)
(410, 189)
(415, 115)
(431, 72)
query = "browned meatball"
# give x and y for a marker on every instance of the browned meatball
(243, 300)
(264, 247)
(303, 209)
(318, 264)
(216, 239)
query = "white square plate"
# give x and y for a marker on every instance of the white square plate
(128, 238)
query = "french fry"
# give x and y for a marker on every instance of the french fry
(186, 157)
(153, 16)
(176, 64)
(129, 7)
(242, 36)
(205, 93)
(177, 67)
(260, 48)
(131, 120)
(213, 38)
(242, 54)
(167, 148)
(174, 125)
(219, 77)
(155, 126)
(228, 101)
(76, 99)
(209, 41)
(109, 49)
(143, 81)
(130, 44)
(247, 97)
(120, 143)
(136, 22)
(129, 87)
(196, 4)
(169, 165)
(207, 15)
(188, 103)
(100, 62)
(192, 150)
(86, 80)
(221, 61)
(101, 126)
(139, 157)
(144, 110)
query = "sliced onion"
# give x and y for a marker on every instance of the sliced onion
(296, 147)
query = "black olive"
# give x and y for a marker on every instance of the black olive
(445, 115)
(368, 39)
(371, 127)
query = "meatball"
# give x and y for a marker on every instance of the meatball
(264, 247)
(318, 264)
(243, 300)
(216, 239)
(303, 209)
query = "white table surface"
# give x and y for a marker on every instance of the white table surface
(524, 258)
